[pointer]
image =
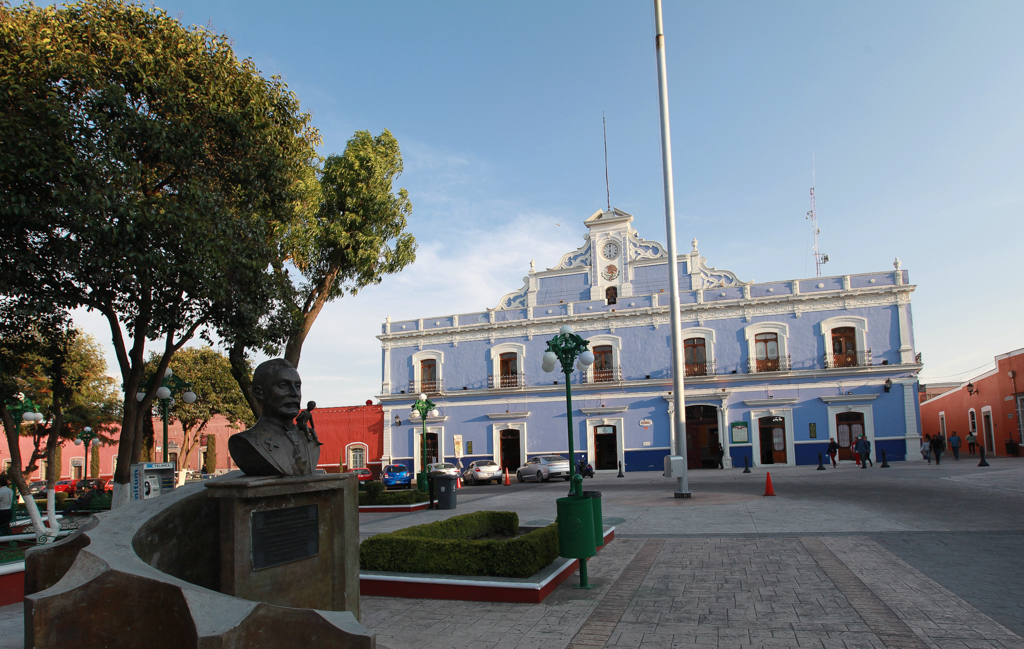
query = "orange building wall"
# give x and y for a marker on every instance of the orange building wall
(995, 390)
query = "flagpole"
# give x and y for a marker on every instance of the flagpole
(678, 367)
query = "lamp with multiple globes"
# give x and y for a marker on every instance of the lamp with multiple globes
(170, 386)
(422, 409)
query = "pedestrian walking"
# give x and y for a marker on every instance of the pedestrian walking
(938, 446)
(6, 501)
(926, 448)
(867, 452)
(833, 448)
(954, 445)
(972, 443)
(721, 456)
(855, 451)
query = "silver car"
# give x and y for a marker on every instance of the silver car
(544, 467)
(482, 471)
(443, 468)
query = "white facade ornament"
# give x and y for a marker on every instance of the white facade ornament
(515, 299)
(642, 249)
(575, 259)
(714, 278)
(533, 266)
(897, 263)
(694, 244)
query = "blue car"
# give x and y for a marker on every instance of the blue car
(396, 475)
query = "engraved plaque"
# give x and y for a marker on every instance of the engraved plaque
(284, 535)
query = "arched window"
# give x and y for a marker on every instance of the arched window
(356, 457)
(428, 375)
(509, 370)
(766, 349)
(695, 353)
(973, 418)
(844, 347)
(611, 295)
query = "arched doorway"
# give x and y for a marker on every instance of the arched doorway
(606, 447)
(702, 437)
(772, 431)
(511, 449)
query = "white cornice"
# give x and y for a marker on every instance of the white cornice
(760, 403)
(508, 415)
(654, 316)
(841, 398)
(604, 410)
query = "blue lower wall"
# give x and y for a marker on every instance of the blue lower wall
(895, 449)
(646, 460)
(808, 453)
(737, 453)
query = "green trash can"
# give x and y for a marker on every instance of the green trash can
(576, 527)
(595, 501)
(421, 482)
(444, 490)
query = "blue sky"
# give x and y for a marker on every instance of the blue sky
(912, 111)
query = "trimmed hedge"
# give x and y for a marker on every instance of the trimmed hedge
(455, 547)
(392, 497)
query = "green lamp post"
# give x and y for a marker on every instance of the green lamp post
(423, 408)
(170, 386)
(85, 437)
(579, 519)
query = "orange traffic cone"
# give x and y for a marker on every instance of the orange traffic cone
(458, 482)
(768, 491)
(507, 481)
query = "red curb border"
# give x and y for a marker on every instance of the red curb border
(386, 509)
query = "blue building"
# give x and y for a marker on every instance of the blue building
(773, 370)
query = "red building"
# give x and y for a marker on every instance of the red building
(352, 436)
(989, 405)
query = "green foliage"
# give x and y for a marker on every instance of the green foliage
(374, 488)
(410, 497)
(146, 172)
(455, 547)
(211, 454)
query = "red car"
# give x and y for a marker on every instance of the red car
(66, 486)
(364, 475)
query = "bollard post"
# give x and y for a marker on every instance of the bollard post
(983, 462)
(821, 467)
(621, 474)
(885, 461)
(746, 464)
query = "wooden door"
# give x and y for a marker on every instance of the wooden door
(511, 457)
(606, 448)
(432, 449)
(990, 442)
(844, 347)
(772, 435)
(849, 427)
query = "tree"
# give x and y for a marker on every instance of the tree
(217, 394)
(210, 463)
(147, 173)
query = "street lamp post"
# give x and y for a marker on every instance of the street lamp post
(170, 386)
(423, 408)
(577, 529)
(85, 437)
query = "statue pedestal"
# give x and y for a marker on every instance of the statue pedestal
(290, 541)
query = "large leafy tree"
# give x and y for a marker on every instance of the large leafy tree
(209, 373)
(146, 174)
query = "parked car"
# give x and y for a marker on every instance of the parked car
(89, 484)
(37, 487)
(482, 471)
(395, 475)
(65, 486)
(443, 468)
(364, 475)
(544, 467)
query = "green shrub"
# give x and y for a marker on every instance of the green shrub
(374, 488)
(392, 497)
(456, 547)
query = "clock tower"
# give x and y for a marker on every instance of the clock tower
(609, 239)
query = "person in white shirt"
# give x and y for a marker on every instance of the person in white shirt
(6, 500)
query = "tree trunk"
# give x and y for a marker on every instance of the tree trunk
(17, 474)
(240, 370)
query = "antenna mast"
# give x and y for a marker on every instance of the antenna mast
(819, 259)
(607, 187)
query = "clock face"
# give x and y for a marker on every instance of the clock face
(610, 250)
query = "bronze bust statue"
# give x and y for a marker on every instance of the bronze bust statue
(275, 446)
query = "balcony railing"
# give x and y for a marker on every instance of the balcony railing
(506, 381)
(780, 364)
(428, 387)
(603, 376)
(700, 369)
(853, 359)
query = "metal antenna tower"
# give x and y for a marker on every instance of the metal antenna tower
(819, 259)
(607, 186)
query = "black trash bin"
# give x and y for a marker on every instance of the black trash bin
(1012, 448)
(444, 489)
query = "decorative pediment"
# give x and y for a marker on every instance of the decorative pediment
(643, 249)
(712, 277)
(577, 258)
(515, 299)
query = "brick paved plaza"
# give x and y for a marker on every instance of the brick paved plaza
(912, 556)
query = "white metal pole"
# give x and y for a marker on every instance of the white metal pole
(678, 367)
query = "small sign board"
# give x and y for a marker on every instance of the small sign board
(284, 535)
(469, 447)
(740, 432)
(813, 428)
(646, 423)
(457, 442)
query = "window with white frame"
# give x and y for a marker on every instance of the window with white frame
(356, 456)
(845, 340)
(507, 362)
(766, 347)
(607, 360)
(426, 369)
(699, 351)
(972, 419)
(942, 423)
